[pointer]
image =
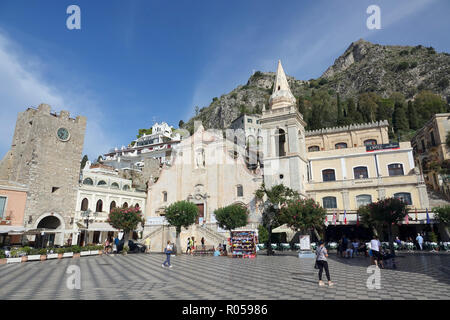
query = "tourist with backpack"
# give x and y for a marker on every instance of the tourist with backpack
(168, 251)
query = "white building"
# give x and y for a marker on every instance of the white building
(157, 145)
(100, 191)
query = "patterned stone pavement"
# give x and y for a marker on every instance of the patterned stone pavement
(281, 277)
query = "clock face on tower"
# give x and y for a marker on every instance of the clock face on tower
(63, 134)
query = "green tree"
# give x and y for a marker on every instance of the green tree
(353, 115)
(303, 215)
(340, 112)
(263, 234)
(385, 110)
(412, 116)
(427, 104)
(142, 132)
(400, 120)
(272, 200)
(367, 103)
(180, 124)
(383, 214)
(232, 217)
(83, 161)
(442, 215)
(126, 219)
(301, 105)
(181, 214)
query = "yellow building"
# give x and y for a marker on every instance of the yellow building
(356, 165)
(430, 152)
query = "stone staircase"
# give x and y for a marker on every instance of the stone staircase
(436, 199)
(211, 236)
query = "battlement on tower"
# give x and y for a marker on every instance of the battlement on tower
(352, 127)
(63, 114)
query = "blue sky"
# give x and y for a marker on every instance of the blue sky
(136, 62)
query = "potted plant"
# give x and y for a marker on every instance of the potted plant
(125, 250)
(85, 251)
(34, 255)
(100, 249)
(76, 251)
(14, 256)
(2, 257)
(51, 254)
(93, 250)
(43, 253)
(68, 253)
(60, 252)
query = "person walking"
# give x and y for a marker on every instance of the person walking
(419, 240)
(375, 246)
(322, 263)
(188, 246)
(203, 243)
(168, 252)
(147, 245)
(191, 245)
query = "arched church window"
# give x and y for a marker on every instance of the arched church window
(125, 205)
(88, 181)
(115, 185)
(84, 204)
(99, 206)
(370, 142)
(164, 196)
(280, 138)
(126, 187)
(112, 206)
(313, 148)
(101, 183)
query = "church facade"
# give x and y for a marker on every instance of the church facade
(341, 168)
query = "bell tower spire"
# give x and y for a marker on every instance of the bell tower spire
(281, 94)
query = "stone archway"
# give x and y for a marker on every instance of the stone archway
(51, 221)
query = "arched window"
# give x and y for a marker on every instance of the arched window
(125, 205)
(99, 206)
(88, 181)
(115, 185)
(164, 196)
(329, 202)
(404, 196)
(328, 175)
(313, 148)
(395, 169)
(136, 205)
(126, 187)
(101, 183)
(363, 199)
(240, 191)
(370, 142)
(340, 145)
(360, 173)
(280, 142)
(112, 206)
(84, 204)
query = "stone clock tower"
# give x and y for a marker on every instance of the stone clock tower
(45, 155)
(283, 128)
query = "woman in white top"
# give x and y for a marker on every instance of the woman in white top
(375, 246)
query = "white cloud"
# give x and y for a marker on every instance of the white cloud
(22, 86)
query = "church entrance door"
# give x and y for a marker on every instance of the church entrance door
(201, 213)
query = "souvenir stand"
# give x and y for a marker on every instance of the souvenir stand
(243, 244)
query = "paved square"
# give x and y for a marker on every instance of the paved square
(140, 276)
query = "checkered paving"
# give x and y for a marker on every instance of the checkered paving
(140, 276)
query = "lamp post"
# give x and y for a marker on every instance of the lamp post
(87, 214)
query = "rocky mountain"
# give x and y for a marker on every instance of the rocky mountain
(364, 67)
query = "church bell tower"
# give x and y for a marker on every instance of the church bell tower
(283, 129)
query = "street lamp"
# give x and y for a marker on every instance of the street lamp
(86, 214)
